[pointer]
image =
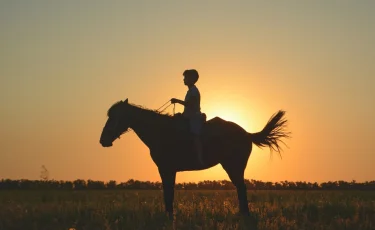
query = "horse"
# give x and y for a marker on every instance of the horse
(170, 144)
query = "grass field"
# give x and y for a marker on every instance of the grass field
(128, 209)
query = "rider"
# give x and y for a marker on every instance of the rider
(192, 109)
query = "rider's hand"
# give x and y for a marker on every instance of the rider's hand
(173, 100)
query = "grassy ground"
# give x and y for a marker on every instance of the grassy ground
(126, 209)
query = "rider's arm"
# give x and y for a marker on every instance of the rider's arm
(180, 102)
(191, 101)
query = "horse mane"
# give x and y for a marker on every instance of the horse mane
(150, 110)
(117, 105)
(113, 108)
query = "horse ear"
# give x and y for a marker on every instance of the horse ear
(126, 101)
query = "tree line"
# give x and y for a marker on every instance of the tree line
(203, 185)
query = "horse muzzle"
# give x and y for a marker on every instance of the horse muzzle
(105, 143)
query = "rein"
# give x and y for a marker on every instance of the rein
(174, 107)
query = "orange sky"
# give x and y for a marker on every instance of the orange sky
(62, 65)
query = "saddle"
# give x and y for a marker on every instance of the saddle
(182, 123)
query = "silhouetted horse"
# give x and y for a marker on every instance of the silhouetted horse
(169, 141)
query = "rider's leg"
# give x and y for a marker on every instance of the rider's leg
(195, 125)
(198, 148)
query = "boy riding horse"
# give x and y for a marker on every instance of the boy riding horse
(192, 110)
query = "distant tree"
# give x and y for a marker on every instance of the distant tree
(111, 184)
(344, 185)
(26, 184)
(278, 186)
(66, 185)
(91, 184)
(44, 173)
(316, 185)
(9, 184)
(80, 184)
(330, 185)
(269, 185)
(301, 185)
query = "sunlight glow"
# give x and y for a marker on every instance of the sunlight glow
(231, 113)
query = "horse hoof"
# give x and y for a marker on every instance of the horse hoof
(245, 213)
(170, 215)
(242, 214)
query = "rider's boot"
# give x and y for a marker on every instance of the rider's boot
(198, 149)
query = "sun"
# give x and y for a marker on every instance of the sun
(231, 113)
(233, 107)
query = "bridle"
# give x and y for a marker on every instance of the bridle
(174, 107)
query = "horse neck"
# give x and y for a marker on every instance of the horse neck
(148, 125)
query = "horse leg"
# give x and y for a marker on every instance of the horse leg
(168, 179)
(236, 175)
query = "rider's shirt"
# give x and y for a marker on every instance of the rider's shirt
(190, 111)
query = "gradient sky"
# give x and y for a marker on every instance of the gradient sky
(63, 64)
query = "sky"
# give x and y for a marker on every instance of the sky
(63, 64)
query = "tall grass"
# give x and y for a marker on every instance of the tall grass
(129, 209)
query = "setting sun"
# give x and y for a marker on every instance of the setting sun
(231, 108)
(230, 113)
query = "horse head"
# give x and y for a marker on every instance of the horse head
(117, 123)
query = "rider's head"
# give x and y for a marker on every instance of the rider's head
(191, 76)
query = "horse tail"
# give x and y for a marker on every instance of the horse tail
(272, 133)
